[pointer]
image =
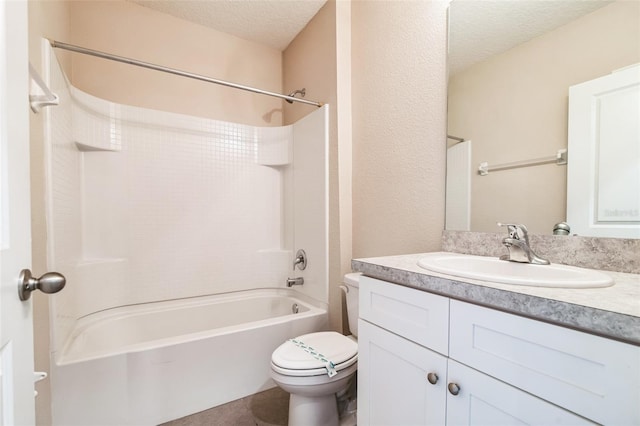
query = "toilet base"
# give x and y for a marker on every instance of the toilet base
(313, 411)
(350, 419)
(312, 400)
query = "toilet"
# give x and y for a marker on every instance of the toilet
(316, 367)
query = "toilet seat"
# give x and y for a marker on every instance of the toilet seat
(305, 356)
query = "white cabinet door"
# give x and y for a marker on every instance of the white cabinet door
(393, 387)
(483, 400)
(595, 377)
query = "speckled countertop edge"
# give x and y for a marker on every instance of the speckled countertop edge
(612, 312)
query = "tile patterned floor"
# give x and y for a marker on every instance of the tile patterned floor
(268, 408)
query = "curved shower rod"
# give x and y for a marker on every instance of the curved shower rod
(103, 55)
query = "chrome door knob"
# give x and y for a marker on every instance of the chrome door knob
(51, 282)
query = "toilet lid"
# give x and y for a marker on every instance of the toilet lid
(308, 351)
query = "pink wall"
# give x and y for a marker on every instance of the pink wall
(127, 29)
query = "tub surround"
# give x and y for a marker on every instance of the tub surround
(612, 312)
(127, 186)
(168, 199)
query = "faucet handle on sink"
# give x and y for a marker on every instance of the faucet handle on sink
(517, 231)
(518, 245)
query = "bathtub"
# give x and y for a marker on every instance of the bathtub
(151, 363)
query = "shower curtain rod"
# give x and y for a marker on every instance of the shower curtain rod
(103, 55)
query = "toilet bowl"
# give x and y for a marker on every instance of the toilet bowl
(315, 367)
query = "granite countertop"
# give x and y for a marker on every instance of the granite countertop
(612, 312)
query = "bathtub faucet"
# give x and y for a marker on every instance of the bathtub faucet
(295, 281)
(300, 261)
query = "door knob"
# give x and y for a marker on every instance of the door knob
(454, 389)
(51, 282)
(432, 378)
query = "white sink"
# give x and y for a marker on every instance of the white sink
(500, 271)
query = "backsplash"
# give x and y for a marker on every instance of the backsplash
(608, 254)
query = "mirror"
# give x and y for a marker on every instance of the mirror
(511, 64)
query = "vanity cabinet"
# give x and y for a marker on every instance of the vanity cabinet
(402, 363)
(425, 359)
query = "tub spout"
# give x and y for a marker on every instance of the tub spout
(295, 281)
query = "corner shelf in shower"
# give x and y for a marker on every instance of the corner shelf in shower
(275, 147)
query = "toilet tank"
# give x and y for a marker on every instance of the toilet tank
(352, 293)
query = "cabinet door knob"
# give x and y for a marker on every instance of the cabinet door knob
(454, 389)
(432, 378)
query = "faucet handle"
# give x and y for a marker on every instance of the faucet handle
(516, 231)
(300, 261)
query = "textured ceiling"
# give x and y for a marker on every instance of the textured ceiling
(270, 22)
(478, 28)
(482, 28)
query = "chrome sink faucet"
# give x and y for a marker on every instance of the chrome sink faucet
(518, 245)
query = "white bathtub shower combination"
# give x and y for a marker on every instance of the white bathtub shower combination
(176, 235)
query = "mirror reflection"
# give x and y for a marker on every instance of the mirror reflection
(511, 66)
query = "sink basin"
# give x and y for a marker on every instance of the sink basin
(500, 271)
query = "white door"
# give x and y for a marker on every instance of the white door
(399, 382)
(16, 331)
(603, 172)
